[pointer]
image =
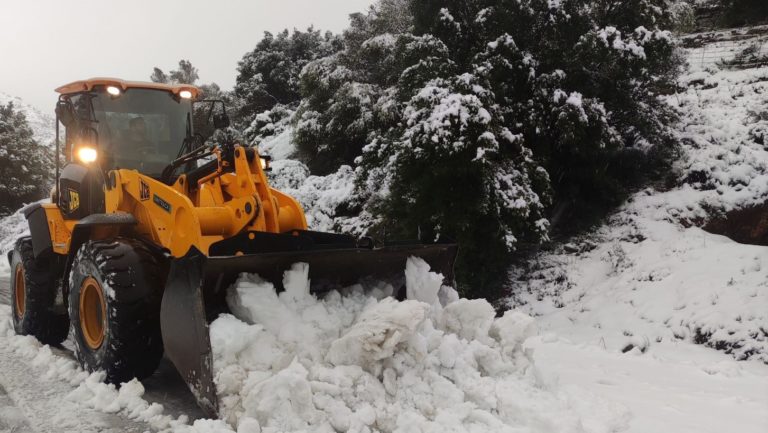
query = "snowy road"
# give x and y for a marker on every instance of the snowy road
(29, 405)
(5, 294)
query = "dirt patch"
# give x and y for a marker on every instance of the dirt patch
(746, 226)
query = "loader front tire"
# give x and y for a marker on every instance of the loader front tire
(33, 295)
(114, 307)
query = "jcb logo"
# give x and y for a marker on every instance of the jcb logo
(74, 200)
(143, 191)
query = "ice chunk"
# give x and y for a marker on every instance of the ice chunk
(296, 282)
(378, 331)
(284, 401)
(421, 284)
(469, 319)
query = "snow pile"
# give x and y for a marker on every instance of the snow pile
(363, 362)
(12, 227)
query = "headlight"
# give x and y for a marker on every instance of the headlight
(186, 94)
(112, 90)
(87, 155)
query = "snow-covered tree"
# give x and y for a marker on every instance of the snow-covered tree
(360, 92)
(25, 165)
(456, 171)
(611, 59)
(269, 74)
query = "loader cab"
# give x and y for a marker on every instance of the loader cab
(141, 129)
(113, 124)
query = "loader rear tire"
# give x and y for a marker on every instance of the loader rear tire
(115, 293)
(33, 295)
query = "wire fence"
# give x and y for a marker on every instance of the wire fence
(737, 53)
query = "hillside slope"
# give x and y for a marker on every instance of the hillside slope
(633, 309)
(42, 123)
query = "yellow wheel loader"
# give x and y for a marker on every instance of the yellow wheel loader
(148, 225)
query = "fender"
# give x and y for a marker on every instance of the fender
(96, 226)
(42, 242)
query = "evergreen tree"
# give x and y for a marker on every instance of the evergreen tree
(185, 74)
(457, 171)
(158, 76)
(25, 165)
(269, 74)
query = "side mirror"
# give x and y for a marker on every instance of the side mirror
(66, 113)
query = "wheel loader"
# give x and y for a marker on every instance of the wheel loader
(151, 219)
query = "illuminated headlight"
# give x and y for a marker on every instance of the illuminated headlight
(186, 94)
(264, 163)
(112, 90)
(87, 155)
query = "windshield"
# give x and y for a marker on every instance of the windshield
(141, 129)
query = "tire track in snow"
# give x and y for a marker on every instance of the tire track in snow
(165, 386)
(5, 290)
(44, 406)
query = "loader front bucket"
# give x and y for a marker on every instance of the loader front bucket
(196, 287)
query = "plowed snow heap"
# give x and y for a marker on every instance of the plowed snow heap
(360, 361)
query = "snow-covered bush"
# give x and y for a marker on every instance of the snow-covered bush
(269, 123)
(456, 171)
(492, 106)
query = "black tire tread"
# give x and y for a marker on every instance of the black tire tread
(136, 275)
(39, 319)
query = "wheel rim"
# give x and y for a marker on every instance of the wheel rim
(20, 291)
(93, 313)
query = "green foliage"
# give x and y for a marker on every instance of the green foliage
(25, 165)
(269, 74)
(358, 92)
(611, 56)
(457, 171)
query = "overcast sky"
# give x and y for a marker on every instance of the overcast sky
(46, 43)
